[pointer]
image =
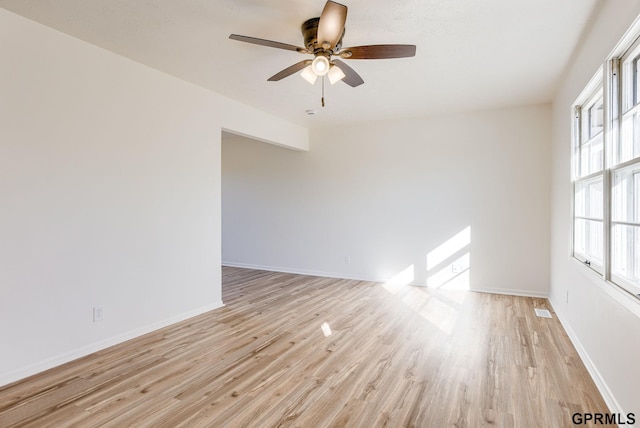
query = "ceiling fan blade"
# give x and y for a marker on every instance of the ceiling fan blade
(264, 42)
(351, 78)
(378, 52)
(331, 25)
(289, 70)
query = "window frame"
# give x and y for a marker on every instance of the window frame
(619, 81)
(591, 94)
(629, 107)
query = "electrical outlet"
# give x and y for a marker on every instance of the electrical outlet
(98, 314)
(457, 267)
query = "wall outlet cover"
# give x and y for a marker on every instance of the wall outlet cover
(98, 314)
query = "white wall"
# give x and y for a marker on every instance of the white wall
(605, 331)
(110, 195)
(388, 193)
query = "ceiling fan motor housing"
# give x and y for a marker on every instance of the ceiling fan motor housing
(310, 33)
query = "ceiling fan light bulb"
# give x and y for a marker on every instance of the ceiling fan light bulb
(320, 65)
(335, 74)
(309, 75)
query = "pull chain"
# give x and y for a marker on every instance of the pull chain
(322, 91)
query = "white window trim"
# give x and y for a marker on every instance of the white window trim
(587, 97)
(613, 113)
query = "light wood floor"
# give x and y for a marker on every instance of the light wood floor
(396, 357)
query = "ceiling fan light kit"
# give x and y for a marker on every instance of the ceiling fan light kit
(323, 39)
(335, 74)
(320, 65)
(308, 75)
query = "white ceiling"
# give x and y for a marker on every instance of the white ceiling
(471, 54)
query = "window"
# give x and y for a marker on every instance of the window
(625, 181)
(606, 172)
(588, 203)
(628, 146)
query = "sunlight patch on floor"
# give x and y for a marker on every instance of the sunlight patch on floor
(399, 281)
(326, 329)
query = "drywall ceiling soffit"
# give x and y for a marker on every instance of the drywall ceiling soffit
(471, 54)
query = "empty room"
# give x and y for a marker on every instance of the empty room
(319, 214)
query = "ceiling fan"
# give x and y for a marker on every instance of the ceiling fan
(323, 39)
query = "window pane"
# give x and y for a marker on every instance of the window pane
(629, 144)
(626, 194)
(629, 138)
(595, 119)
(592, 156)
(588, 199)
(626, 252)
(588, 239)
(590, 119)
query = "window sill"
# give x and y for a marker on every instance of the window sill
(617, 293)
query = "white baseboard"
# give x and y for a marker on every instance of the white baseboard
(513, 292)
(607, 395)
(50, 363)
(338, 275)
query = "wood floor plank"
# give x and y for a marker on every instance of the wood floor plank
(293, 350)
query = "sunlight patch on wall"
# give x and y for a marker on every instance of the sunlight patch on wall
(453, 276)
(448, 265)
(449, 248)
